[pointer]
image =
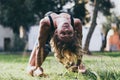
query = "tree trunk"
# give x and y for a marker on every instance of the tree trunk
(91, 30)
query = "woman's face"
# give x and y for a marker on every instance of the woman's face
(65, 32)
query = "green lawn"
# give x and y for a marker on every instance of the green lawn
(100, 66)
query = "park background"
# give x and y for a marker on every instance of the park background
(19, 20)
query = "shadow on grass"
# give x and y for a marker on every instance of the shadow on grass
(91, 75)
(102, 75)
(111, 54)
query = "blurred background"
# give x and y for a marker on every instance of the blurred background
(19, 22)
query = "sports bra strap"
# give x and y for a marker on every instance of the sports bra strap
(51, 23)
(72, 21)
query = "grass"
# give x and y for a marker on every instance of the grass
(100, 66)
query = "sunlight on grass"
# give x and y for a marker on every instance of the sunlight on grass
(99, 67)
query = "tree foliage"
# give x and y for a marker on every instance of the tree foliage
(40, 7)
(16, 13)
(80, 11)
(104, 6)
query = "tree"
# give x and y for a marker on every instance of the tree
(92, 27)
(98, 7)
(15, 13)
